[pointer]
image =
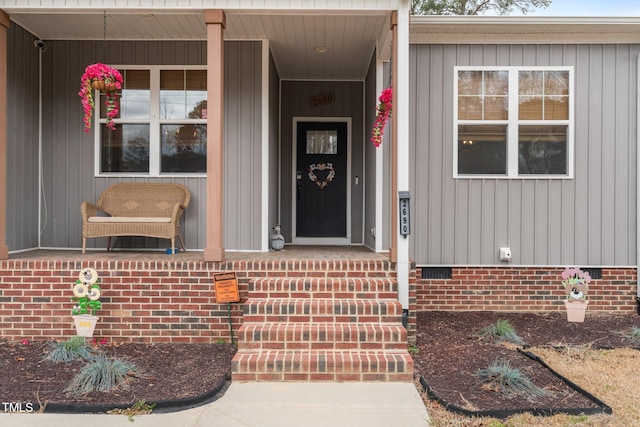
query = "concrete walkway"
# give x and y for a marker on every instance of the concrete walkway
(270, 404)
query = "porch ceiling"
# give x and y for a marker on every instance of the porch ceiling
(350, 37)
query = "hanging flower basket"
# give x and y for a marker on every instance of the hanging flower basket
(103, 86)
(106, 79)
(383, 115)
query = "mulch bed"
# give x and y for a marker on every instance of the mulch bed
(171, 373)
(450, 352)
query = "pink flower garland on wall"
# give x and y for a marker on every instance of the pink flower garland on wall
(383, 114)
(113, 82)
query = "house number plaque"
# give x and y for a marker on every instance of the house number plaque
(405, 213)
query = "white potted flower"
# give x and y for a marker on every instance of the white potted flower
(87, 292)
(576, 286)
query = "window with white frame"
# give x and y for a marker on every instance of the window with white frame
(161, 128)
(513, 122)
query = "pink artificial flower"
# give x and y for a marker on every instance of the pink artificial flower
(110, 76)
(383, 114)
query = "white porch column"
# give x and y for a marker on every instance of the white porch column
(401, 126)
(4, 26)
(214, 250)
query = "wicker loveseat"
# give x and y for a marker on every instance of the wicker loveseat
(136, 209)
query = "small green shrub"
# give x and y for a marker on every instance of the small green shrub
(501, 331)
(67, 351)
(509, 381)
(102, 374)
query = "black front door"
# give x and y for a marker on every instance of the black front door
(321, 179)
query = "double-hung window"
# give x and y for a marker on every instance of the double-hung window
(161, 128)
(513, 122)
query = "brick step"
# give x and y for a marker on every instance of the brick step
(259, 310)
(322, 336)
(323, 287)
(321, 365)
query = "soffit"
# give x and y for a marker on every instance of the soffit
(293, 36)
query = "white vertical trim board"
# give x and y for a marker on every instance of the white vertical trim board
(379, 179)
(264, 219)
(401, 120)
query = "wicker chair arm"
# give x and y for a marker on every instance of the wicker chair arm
(89, 209)
(178, 209)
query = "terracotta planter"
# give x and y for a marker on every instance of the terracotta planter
(85, 324)
(102, 86)
(576, 310)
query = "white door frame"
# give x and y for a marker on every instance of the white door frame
(294, 156)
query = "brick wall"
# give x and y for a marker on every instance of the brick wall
(174, 301)
(522, 289)
(145, 301)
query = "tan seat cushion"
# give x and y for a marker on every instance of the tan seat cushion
(106, 219)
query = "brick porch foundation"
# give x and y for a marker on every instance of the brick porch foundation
(522, 289)
(163, 300)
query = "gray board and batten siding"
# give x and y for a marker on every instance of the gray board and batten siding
(22, 140)
(68, 152)
(589, 219)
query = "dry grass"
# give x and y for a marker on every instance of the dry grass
(610, 375)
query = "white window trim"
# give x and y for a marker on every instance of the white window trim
(154, 125)
(513, 122)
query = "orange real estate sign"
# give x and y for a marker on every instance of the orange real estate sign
(226, 287)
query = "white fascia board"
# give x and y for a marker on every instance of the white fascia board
(111, 6)
(523, 29)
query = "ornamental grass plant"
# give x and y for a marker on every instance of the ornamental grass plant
(67, 351)
(103, 374)
(501, 331)
(500, 376)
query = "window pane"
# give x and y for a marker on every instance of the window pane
(184, 148)
(556, 108)
(482, 95)
(542, 150)
(496, 82)
(197, 94)
(530, 83)
(322, 142)
(495, 108)
(172, 94)
(556, 83)
(470, 82)
(183, 94)
(125, 149)
(530, 107)
(134, 103)
(543, 95)
(470, 108)
(482, 149)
